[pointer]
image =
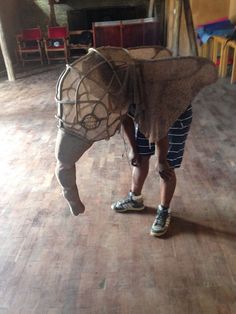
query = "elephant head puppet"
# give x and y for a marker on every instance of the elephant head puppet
(94, 94)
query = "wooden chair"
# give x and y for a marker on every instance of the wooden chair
(218, 51)
(230, 45)
(29, 45)
(221, 56)
(56, 43)
(206, 50)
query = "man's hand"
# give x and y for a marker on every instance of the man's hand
(164, 170)
(134, 158)
(128, 126)
(162, 166)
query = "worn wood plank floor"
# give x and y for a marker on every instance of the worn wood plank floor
(103, 262)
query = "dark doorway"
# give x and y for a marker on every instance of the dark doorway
(83, 19)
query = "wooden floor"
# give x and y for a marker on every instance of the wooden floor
(104, 262)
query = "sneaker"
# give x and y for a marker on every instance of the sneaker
(132, 202)
(161, 222)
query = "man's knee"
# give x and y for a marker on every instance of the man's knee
(144, 160)
(167, 175)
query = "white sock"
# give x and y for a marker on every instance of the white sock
(136, 197)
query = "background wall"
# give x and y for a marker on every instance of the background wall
(203, 11)
(232, 10)
(19, 14)
(208, 10)
(38, 10)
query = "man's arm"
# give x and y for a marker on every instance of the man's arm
(163, 167)
(128, 126)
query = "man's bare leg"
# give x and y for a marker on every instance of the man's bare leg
(134, 201)
(139, 175)
(167, 189)
(162, 220)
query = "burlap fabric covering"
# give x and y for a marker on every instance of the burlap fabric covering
(94, 92)
(149, 52)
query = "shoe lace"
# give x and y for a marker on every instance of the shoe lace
(126, 201)
(161, 217)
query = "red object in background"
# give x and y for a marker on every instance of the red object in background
(127, 33)
(230, 61)
(32, 34)
(56, 43)
(57, 32)
(29, 45)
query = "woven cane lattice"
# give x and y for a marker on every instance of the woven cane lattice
(92, 95)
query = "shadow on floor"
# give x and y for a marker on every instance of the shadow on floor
(179, 225)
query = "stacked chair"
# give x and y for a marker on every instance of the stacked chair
(29, 45)
(32, 46)
(56, 43)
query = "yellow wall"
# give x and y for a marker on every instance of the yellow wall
(208, 10)
(232, 11)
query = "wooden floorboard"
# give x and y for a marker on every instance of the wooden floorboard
(104, 262)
